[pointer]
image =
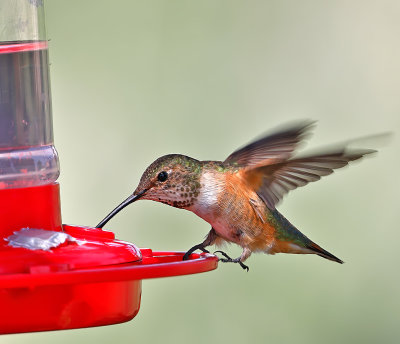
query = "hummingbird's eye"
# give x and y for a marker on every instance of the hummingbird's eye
(162, 176)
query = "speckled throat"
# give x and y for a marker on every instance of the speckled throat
(183, 184)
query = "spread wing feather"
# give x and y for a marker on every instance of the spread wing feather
(275, 147)
(279, 178)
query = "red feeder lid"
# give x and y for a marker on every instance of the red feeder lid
(94, 248)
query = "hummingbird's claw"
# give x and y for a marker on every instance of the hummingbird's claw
(244, 267)
(228, 259)
(225, 255)
(194, 248)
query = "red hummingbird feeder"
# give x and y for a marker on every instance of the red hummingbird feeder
(55, 276)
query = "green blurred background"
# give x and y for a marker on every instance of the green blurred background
(133, 80)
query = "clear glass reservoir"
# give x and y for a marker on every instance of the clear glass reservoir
(27, 154)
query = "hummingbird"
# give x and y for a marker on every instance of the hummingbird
(238, 196)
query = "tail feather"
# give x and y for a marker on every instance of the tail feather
(323, 253)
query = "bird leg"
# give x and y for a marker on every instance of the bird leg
(209, 240)
(245, 254)
(194, 248)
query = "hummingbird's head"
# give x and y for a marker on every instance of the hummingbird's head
(172, 179)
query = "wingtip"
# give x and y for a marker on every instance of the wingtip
(302, 125)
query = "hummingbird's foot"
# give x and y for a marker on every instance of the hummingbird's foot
(194, 248)
(228, 259)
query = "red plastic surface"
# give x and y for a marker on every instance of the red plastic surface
(68, 256)
(43, 300)
(152, 265)
(67, 306)
(96, 282)
(36, 207)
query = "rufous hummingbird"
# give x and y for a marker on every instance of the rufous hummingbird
(238, 196)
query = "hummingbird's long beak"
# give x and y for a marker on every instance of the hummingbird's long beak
(129, 200)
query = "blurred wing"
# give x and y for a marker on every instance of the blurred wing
(274, 147)
(272, 182)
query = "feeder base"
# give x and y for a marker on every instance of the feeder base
(61, 307)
